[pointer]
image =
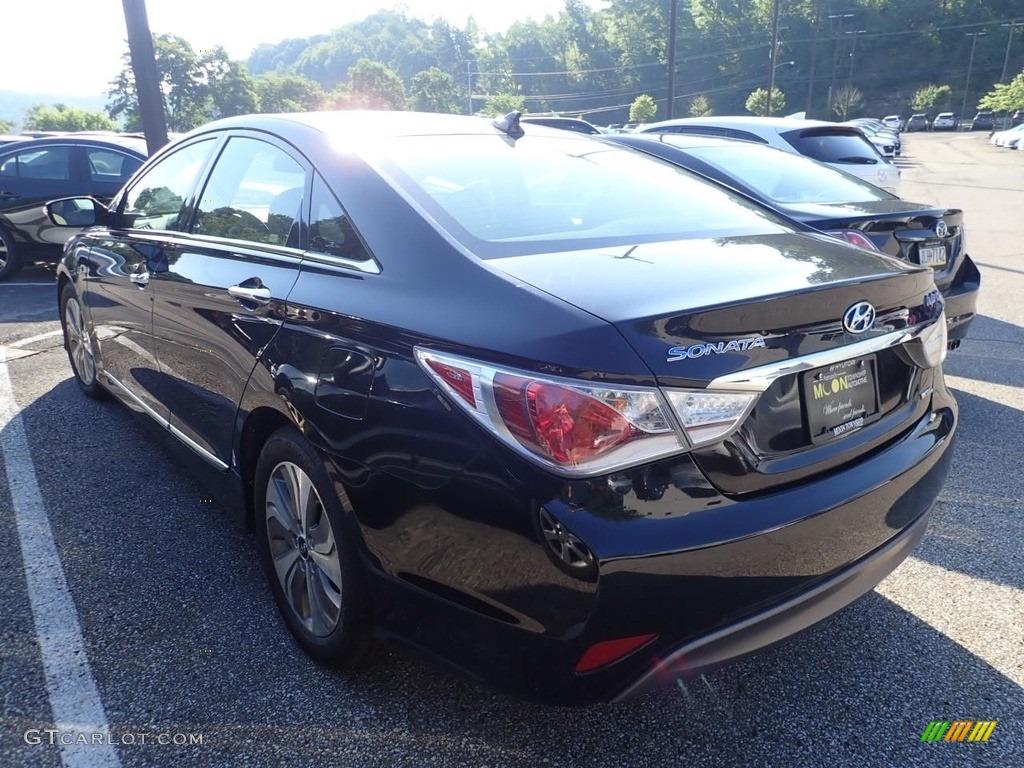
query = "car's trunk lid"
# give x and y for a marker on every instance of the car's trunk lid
(699, 310)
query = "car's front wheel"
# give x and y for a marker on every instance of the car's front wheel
(80, 342)
(308, 551)
(10, 259)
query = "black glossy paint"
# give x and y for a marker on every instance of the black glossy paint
(447, 515)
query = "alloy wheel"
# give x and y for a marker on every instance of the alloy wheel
(79, 342)
(303, 549)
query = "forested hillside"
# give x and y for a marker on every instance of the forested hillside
(596, 63)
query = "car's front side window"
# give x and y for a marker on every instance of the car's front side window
(52, 163)
(156, 198)
(255, 193)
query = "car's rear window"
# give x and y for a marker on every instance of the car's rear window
(833, 146)
(787, 178)
(501, 197)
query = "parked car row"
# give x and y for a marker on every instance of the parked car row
(557, 411)
(983, 120)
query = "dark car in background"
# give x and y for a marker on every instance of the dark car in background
(917, 122)
(830, 200)
(33, 171)
(566, 123)
(983, 121)
(841, 146)
(569, 418)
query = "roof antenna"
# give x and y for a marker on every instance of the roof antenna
(509, 124)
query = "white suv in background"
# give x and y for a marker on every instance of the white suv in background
(841, 146)
(945, 121)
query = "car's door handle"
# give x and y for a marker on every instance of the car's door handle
(141, 279)
(259, 295)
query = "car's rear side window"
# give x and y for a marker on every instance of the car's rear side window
(331, 232)
(109, 165)
(832, 146)
(502, 197)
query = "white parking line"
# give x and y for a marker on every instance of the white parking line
(34, 339)
(72, 691)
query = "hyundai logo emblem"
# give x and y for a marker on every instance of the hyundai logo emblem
(941, 230)
(859, 318)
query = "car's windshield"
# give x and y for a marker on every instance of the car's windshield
(501, 197)
(787, 178)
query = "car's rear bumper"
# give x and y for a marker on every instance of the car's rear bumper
(961, 298)
(785, 619)
(713, 577)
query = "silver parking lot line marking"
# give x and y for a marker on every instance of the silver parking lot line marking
(70, 686)
(34, 339)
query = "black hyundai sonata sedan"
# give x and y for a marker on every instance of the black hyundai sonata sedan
(559, 414)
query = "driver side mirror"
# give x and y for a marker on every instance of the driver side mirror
(75, 212)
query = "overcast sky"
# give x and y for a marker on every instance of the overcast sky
(73, 47)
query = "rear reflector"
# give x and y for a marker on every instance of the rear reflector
(459, 379)
(609, 651)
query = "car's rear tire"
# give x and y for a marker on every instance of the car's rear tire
(80, 343)
(10, 258)
(307, 545)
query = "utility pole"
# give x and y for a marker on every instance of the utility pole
(832, 18)
(970, 64)
(1009, 39)
(771, 56)
(469, 86)
(147, 79)
(672, 26)
(814, 58)
(853, 50)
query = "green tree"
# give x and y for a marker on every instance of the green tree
(757, 102)
(375, 85)
(700, 106)
(1005, 97)
(60, 117)
(182, 85)
(6, 126)
(502, 103)
(642, 109)
(232, 90)
(288, 93)
(846, 100)
(930, 97)
(434, 90)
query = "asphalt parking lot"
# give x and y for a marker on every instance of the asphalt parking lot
(170, 619)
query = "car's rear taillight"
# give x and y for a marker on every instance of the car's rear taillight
(853, 237)
(581, 429)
